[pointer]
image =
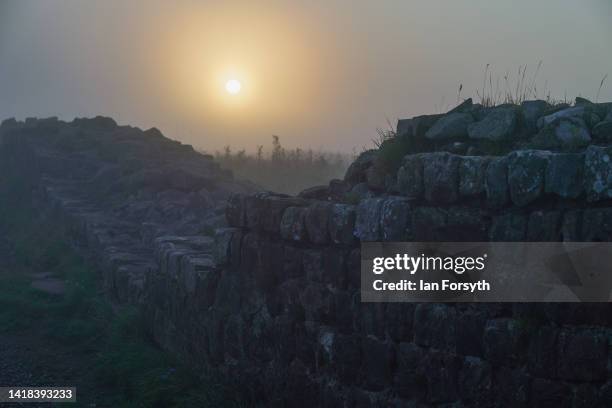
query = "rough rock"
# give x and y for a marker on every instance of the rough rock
(342, 224)
(367, 224)
(410, 177)
(498, 125)
(441, 177)
(450, 126)
(472, 171)
(598, 173)
(564, 174)
(574, 112)
(532, 111)
(356, 173)
(496, 182)
(526, 170)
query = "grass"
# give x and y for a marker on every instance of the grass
(284, 170)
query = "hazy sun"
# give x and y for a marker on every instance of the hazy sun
(233, 86)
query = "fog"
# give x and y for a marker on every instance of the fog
(322, 75)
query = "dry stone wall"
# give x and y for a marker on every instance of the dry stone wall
(271, 299)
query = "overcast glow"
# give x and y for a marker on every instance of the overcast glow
(319, 74)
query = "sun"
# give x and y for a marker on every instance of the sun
(233, 86)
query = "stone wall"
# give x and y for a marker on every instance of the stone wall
(272, 299)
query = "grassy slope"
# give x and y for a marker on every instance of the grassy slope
(77, 339)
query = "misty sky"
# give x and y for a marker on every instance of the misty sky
(321, 74)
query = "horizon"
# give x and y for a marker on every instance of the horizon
(316, 75)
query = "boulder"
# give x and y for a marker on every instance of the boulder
(441, 177)
(498, 125)
(404, 128)
(598, 173)
(376, 176)
(574, 112)
(472, 170)
(526, 170)
(572, 132)
(451, 126)
(356, 171)
(602, 132)
(532, 111)
(564, 174)
(410, 177)
(421, 124)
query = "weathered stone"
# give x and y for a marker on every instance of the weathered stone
(442, 372)
(496, 182)
(508, 228)
(504, 341)
(367, 224)
(596, 224)
(404, 127)
(312, 264)
(450, 126)
(223, 241)
(410, 380)
(346, 351)
(582, 355)
(532, 111)
(598, 173)
(575, 112)
(526, 170)
(543, 226)
(376, 176)
(377, 361)
(421, 124)
(542, 354)
(602, 132)
(316, 220)
(360, 192)
(472, 171)
(441, 177)
(572, 132)
(547, 393)
(410, 177)
(511, 387)
(395, 214)
(435, 326)
(235, 211)
(293, 227)
(342, 224)
(315, 193)
(498, 125)
(469, 330)
(356, 173)
(427, 223)
(564, 174)
(474, 380)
